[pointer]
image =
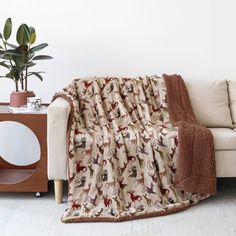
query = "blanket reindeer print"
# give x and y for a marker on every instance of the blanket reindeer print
(123, 151)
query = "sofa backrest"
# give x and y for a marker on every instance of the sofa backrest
(210, 102)
(232, 100)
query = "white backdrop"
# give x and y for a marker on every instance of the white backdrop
(196, 39)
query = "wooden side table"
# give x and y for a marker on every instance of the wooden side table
(28, 178)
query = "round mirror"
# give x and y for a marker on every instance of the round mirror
(18, 144)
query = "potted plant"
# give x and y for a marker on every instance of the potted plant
(18, 60)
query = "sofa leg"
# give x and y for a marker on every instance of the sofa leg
(58, 188)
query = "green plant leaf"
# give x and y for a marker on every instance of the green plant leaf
(12, 52)
(23, 59)
(30, 64)
(3, 63)
(22, 35)
(42, 57)
(22, 50)
(0, 36)
(37, 74)
(7, 29)
(6, 57)
(32, 35)
(10, 75)
(11, 45)
(14, 74)
(31, 55)
(38, 47)
(19, 62)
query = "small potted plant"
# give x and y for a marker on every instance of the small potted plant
(18, 60)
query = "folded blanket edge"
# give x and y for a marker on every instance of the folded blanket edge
(190, 163)
(125, 218)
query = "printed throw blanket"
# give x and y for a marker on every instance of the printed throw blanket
(135, 149)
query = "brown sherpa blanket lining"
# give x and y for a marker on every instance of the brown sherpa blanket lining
(196, 147)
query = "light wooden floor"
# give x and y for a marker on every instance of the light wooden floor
(23, 214)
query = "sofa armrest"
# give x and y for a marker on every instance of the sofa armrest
(58, 114)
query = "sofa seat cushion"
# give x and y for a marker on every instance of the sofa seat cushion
(232, 100)
(224, 139)
(225, 163)
(210, 103)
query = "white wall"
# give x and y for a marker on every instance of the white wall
(196, 39)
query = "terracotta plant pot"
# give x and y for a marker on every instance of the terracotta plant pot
(18, 99)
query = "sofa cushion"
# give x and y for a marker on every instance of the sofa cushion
(225, 163)
(210, 102)
(232, 100)
(224, 139)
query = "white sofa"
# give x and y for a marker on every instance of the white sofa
(214, 105)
